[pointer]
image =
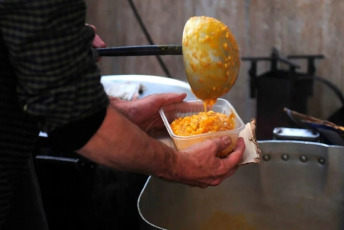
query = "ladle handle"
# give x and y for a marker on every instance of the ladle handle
(146, 50)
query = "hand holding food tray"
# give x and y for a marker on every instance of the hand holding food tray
(212, 63)
(172, 112)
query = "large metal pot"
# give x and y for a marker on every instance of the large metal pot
(297, 185)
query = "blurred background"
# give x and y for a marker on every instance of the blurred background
(293, 27)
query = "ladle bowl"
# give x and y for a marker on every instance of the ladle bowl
(211, 57)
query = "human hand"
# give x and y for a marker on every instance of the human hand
(112, 146)
(198, 165)
(97, 41)
(145, 112)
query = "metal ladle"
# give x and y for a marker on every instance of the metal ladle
(211, 58)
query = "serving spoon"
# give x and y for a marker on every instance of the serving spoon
(211, 58)
(210, 53)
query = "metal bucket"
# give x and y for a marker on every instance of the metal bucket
(297, 185)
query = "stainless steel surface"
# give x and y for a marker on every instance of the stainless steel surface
(297, 185)
(284, 133)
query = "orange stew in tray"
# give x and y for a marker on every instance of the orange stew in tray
(203, 122)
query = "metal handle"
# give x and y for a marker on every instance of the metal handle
(140, 50)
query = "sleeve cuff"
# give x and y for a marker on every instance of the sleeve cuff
(76, 134)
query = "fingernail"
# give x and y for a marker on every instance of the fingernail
(226, 139)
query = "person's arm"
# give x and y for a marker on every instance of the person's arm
(120, 144)
(59, 85)
(123, 144)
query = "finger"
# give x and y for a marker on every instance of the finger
(92, 26)
(175, 97)
(221, 143)
(216, 182)
(98, 42)
(231, 172)
(220, 180)
(235, 157)
(169, 98)
(213, 146)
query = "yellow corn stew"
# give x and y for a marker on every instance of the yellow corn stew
(203, 122)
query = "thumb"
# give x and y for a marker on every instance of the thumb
(214, 145)
(235, 157)
(170, 98)
(222, 143)
(162, 99)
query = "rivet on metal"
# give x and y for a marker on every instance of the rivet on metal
(266, 157)
(321, 160)
(285, 157)
(303, 158)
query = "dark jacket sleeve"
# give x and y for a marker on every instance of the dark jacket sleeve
(58, 81)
